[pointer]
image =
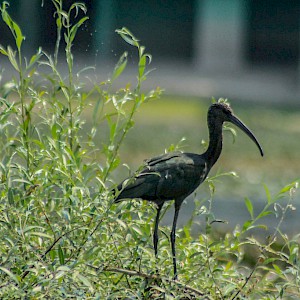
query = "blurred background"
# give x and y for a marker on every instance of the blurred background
(247, 51)
(242, 49)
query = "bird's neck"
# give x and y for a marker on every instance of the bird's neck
(215, 142)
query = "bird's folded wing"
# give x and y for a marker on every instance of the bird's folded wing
(165, 177)
(161, 158)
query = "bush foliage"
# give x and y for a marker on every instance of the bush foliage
(61, 234)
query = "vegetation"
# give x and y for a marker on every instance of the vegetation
(61, 234)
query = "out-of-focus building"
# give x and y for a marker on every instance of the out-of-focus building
(247, 49)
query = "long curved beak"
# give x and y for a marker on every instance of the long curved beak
(234, 120)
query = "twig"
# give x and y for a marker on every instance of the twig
(149, 276)
(245, 283)
(51, 247)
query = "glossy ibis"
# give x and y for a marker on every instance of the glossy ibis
(175, 175)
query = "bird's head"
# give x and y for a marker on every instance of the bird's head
(222, 112)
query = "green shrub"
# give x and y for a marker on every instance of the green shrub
(61, 235)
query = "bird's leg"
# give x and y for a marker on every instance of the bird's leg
(155, 233)
(177, 207)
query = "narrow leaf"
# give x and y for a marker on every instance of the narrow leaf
(10, 196)
(61, 255)
(142, 66)
(128, 36)
(12, 58)
(84, 280)
(264, 213)
(247, 224)
(13, 26)
(35, 58)
(268, 194)
(74, 29)
(3, 51)
(277, 269)
(249, 206)
(19, 35)
(41, 234)
(10, 274)
(120, 66)
(287, 188)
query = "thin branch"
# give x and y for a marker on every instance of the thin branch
(51, 247)
(245, 283)
(149, 276)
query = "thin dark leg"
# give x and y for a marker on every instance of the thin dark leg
(177, 207)
(155, 233)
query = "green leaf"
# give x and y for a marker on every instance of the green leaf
(268, 194)
(128, 37)
(277, 269)
(13, 26)
(232, 131)
(78, 6)
(5, 16)
(249, 206)
(10, 274)
(3, 51)
(288, 187)
(142, 66)
(12, 58)
(120, 66)
(98, 106)
(22, 180)
(41, 234)
(112, 128)
(84, 280)
(10, 196)
(63, 269)
(19, 35)
(136, 229)
(58, 23)
(61, 255)
(247, 224)
(74, 29)
(35, 58)
(121, 223)
(262, 226)
(264, 213)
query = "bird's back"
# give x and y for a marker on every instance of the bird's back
(170, 176)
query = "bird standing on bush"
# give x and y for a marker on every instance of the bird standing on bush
(175, 175)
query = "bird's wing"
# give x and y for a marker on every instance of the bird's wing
(165, 177)
(144, 183)
(180, 175)
(161, 158)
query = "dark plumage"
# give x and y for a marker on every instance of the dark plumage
(175, 175)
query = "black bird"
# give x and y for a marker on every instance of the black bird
(175, 175)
